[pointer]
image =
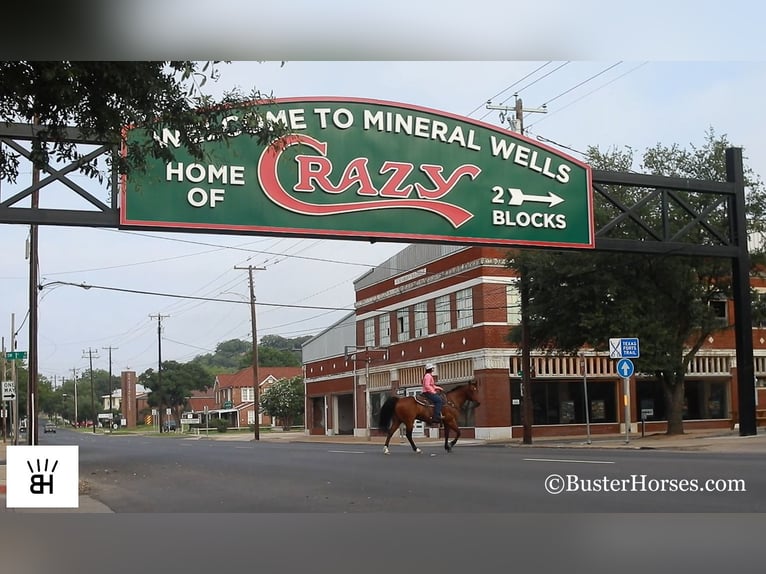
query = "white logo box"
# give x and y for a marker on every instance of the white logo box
(42, 476)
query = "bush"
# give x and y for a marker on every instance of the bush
(220, 425)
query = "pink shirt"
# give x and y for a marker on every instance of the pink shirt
(429, 385)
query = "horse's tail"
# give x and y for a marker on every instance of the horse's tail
(387, 413)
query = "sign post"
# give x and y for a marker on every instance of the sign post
(625, 369)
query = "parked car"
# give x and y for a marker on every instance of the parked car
(170, 425)
(49, 427)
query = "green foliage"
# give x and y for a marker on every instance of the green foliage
(100, 98)
(220, 425)
(227, 357)
(284, 400)
(236, 354)
(177, 382)
(584, 298)
(268, 357)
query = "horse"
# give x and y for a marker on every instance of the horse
(407, 409)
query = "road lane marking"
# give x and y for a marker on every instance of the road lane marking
(570, 460)
(348, 451)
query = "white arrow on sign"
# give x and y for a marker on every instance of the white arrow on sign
(518, 197)
(9, 393)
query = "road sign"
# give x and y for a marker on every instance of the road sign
(623, 348)
(192, 421)
(625, 368)
(442, 178)
(9, 392)
(13, 355)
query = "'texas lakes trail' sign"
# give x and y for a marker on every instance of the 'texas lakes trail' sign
(368, 169)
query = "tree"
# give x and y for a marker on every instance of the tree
(100, 98)
(284, 400)
(178, 381)
(227, 358)
(668, 302)
(275, 351)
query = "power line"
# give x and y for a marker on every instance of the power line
(529, 85)
(176, 296)
(589, 93)
(594, 76)
(320, 259)
(477, 108)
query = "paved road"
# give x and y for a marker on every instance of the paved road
(169, 474)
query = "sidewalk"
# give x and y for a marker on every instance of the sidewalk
(721, 441)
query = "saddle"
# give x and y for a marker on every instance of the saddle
(426, 402)
(420, 398)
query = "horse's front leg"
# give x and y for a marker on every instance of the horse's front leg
(455, 427)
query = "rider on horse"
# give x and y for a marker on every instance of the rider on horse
(430, 389)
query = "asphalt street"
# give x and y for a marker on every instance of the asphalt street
(171, 474)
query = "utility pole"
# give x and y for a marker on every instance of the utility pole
(74, 378)
(526, 363)
(3, 404)
(256, 401)
(111, 415)
(92, 396)
(159, 318)
(517, 125)
(517, 122)
(15, 405)
(32, 430)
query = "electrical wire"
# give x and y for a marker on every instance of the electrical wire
(546, 116)
(477, 108)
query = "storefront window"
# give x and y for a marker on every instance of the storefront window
(702, 399)
(563, 402)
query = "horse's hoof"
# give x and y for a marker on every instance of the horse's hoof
(418, 451)
(385, 450)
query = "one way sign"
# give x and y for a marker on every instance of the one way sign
(9, 393)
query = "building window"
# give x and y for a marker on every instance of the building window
(464, 306)
(421, 319)
(442, 314)
(719, 309)
(247, 394)
(403, 324)
(513, 304)
(384, 327)
(369, 332)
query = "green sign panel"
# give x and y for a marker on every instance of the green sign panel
(366, 169)
(228, 405)
(14, 355)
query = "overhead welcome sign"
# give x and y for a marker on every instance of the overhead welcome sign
(368, 169)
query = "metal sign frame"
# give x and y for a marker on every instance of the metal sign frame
(719, 217)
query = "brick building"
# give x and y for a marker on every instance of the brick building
(454, 306)
(232, 394)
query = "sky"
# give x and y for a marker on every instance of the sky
(603, 84)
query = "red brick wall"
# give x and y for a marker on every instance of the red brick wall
(495, 398)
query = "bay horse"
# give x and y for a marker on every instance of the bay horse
(406, 410)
